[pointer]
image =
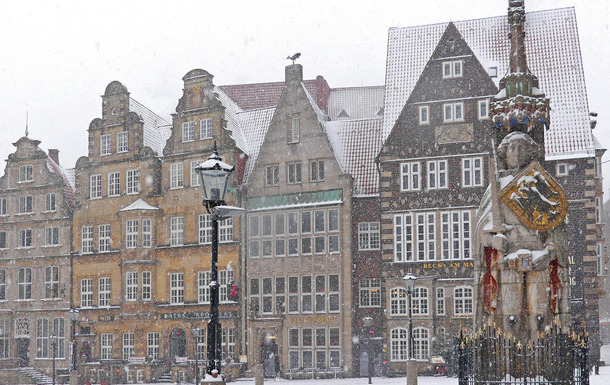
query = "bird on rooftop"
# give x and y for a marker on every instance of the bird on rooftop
(294, 57)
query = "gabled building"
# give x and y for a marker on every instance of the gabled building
(36, 203)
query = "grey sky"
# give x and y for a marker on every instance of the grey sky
(56, 57)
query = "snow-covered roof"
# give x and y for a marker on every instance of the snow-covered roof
(156, 129)
(263, 95)
(254, 125)
(67, 181)
(553, 55)
(231, 111)
(139, 205)
(355, 102)
(356, 143)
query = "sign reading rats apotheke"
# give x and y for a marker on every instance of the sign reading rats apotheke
(198, 315)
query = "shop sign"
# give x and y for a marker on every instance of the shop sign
(137, 360)
(105, 318)
(307, 320)
(198, 315)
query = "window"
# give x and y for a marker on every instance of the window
(453, 112)
(280, 295)
(50, 202)
(368, 235)
(128, 345)
(146, 286)
(105, 144)
(122, 140)
(414, 237)
(43, 342)
(133, 181)
(409, 175)
(203, 286)
(188, 131)
(200, 349)
(599, 209)
(370, 292)
(103, 232)
(131, 285)
(176, 231)
(267, 295)
(3, 243)
(2, 290)
(3, 206)
(86, 292)
(225, 230)
(176, 175)
(106, 346)
(131, 233)
(424, 115)
(320, 299)
(51, 236)
(205, 229)
(51, 282)
(195, 179)
(26, 173)
(472, 172)
(294, 172)
(601, 260)
(398, 301)
(420, 301)
(333, 293)
(228, 343)
(561, 169)
(114, 184)
(598, 167)
(440, 301)
(462, 300)
(146, 233)
(205, 128)
(26, 204)
(295, 130)
(25, 283)
(437, 174)
(483, 109)
(306, 298)
(152, 345)
(225, 277)
(176, 291)
(316, 171)
(293, 294)
(452, 69)
(104, 292)
(25, 238)
(4, 337)
(399, 344)
(421, 343)
(272, 175)
(455, 234)
(95, 186)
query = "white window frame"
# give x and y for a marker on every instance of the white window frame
(463, 304)
(194, 176)
(86, 292)
(456, 234)
(601, 259)
(87, 240)
(205, 128)
(294, 172)
(146, 285)
(421, 343)
(131, 285)
(132, 183)
(203, 286)
(51, 282)
(399, 344)
(24, 282)
(122, 142)
(176, 175)
(188, 131)
(424, 115)
(106, 346)
(225, 230)
(420, 301)
(152, 345)
(453, 112)
(410, 176)
(437, 174)
(316, 170)
(95, 186)
(128, 345)
(25, 238)
(453, 69)
(105, 144)
(561, 169)
(440, 301)
(176, 288)
(114, 184)
(51, 237)
(26, 204)
(295, 130)
(225, 277)
(50, 200)
(104, 292)
(3, 206)
(205, 229)
(369, 236)
(398, 301)
(26, 173)
(483, 109)
(132, 228)
(176, 231)
(272, 175)
(147, 232)
(103, 238)
(599, 209)
(472, 174)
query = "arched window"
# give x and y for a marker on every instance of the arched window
(421, 343)
(399, 342)
(462, 300)
(420, 301)
(398, 301)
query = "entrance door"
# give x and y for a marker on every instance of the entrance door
(177, 343)
(23, 346)
(271, 360)
(364, 364)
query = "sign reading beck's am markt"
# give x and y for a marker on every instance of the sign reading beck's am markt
(536, 198)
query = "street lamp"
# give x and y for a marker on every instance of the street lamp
(196, 338)
(214, 175)
(409, 281)
(74, 372)
(54, 345)
(368, 322)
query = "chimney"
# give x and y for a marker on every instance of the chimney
(54, 154)
(294, 73)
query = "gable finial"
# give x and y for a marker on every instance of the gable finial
(26, 124)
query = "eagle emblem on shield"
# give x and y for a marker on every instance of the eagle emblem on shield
(536, 198)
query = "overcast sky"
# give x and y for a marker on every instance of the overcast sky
(56, 57)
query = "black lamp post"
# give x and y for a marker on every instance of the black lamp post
(409, 281)
(214, 175)
(368, 322)
(73, 319)
(54, 345)
(196, 338)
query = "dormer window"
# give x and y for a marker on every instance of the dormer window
(25, 173)
(424, 115)
(452, 69)
(105, 144)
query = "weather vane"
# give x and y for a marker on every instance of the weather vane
(294, 57)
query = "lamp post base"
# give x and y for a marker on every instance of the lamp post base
(411, 372)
